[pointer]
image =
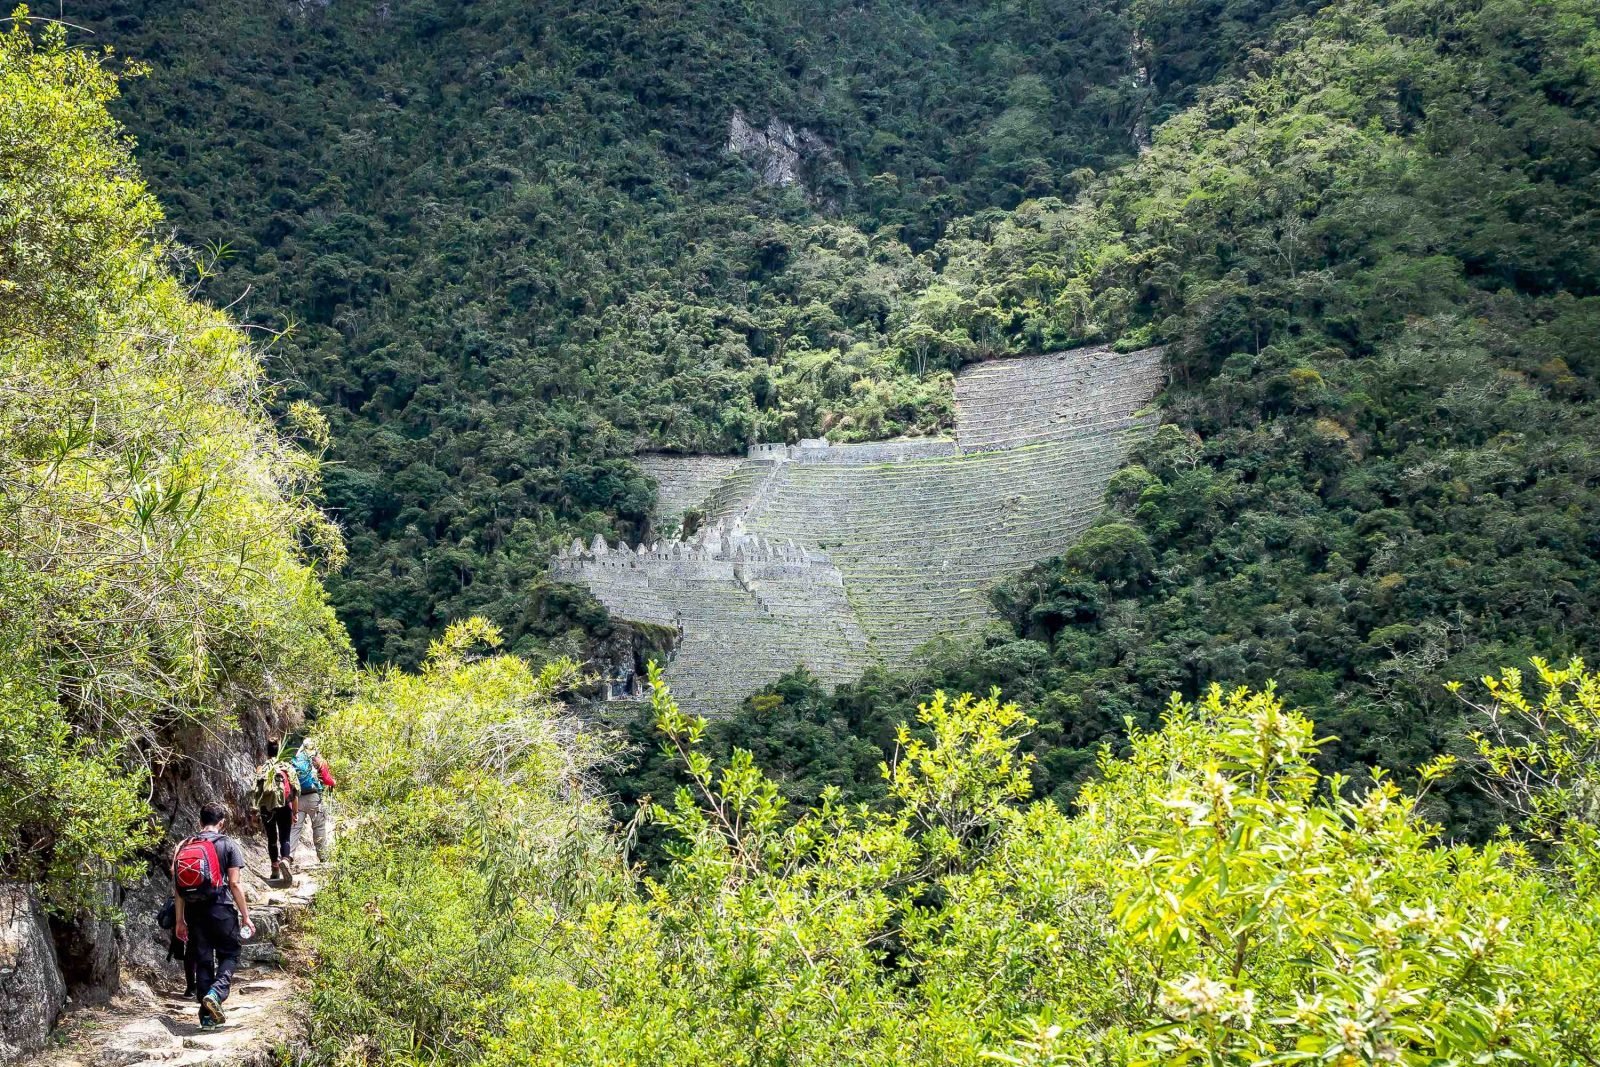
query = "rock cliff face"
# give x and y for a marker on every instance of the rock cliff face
(839, 556)
(781, 154)
(32, 990)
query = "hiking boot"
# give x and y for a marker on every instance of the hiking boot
(211, 1010)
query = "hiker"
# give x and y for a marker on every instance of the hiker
(315, 778)
(210, 909)
(277, 799)
(178, 948)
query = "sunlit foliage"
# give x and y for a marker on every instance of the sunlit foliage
(157, 530)
(1215, 900)
(468, 833)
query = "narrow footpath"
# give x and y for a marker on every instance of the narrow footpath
(150, 1024)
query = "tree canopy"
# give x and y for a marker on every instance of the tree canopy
(1372, 258)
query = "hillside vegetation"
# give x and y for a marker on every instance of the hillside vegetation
(514, 250)
(1370, 248)
(1370, 255)
(1374, 258)
(158, 542)
(1215, 901)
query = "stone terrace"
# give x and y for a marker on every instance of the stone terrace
(920, 544)
(683, 482)
(749, 610)
(1062, 396)
(836, 556)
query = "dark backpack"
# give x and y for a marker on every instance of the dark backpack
(306, 771)
(274, 787)
(197, 871)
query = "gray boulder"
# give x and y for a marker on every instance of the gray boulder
(32, 991)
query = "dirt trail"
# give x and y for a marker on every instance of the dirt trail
(150, 1023)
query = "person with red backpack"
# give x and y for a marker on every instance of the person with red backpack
(211, 909)
(278, 801)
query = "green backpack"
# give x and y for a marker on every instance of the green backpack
(274, 787)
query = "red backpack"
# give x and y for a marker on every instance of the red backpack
(196, 870)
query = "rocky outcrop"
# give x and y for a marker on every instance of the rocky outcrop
(32, 990)
(89, 950)
(780, 153)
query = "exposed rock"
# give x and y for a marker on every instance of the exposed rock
(780, 153)
(88, 952)
(32, 991)
(1138, 49)
(143, 943)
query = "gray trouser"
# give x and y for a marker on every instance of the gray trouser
(314, 810)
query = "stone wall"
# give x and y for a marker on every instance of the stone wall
(920, 544)
(876, 451)
(683, 482)
(837, 556)
(750, 610)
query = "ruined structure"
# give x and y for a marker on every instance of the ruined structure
(837, 556)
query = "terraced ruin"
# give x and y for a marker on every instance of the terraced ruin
(837, 556)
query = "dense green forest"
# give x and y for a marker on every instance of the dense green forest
(514, 250)
(1376, 264)
(1367, 234)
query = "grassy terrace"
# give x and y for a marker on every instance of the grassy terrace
(912, 546)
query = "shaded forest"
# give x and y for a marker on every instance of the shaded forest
(513, 249)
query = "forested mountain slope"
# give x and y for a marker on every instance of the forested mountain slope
(515, 249)
(1367, 233)
(1375, 261)
(1372, 257)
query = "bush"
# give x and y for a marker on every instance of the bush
(157, 531)
(467, 835)
(1216, 899)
